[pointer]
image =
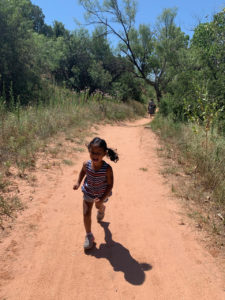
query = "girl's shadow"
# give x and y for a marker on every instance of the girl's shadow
(120, 258)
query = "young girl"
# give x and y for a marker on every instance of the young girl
(97, 185)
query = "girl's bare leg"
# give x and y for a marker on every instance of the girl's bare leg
(101, 211)
(87, 208)
(101, 208)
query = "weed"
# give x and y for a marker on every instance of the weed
(169, 170)
(47, 165)
(78, 149)
(54, 151)
(69, 139)
(7, 164)
(9, 205)
(32, 179)
(186, 147)
(215, 229)
(3, 183)
(143, 169)
(67, 162)
(173, 188)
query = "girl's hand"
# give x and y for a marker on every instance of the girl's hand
(76, 186)
(98, 203)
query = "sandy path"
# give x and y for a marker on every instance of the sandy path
(142, 251)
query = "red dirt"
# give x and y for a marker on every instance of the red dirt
(143, 250)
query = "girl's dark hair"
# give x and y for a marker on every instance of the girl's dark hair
(102, 144)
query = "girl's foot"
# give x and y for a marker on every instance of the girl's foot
(89, 241)
(101, 214)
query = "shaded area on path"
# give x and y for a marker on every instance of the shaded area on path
(120, 258)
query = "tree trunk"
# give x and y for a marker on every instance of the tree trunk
(158, 92)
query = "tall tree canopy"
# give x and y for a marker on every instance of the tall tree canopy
(19, 71)
(209, 44)
(149, 51)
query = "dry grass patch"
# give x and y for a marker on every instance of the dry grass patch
(200, 183)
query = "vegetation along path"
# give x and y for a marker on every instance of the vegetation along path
(142, 250)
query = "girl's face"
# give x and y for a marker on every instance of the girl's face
(96, 155)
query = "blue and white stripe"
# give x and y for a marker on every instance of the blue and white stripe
(95, 183)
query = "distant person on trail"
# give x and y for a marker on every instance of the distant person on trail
(151, 108)
(98, 184)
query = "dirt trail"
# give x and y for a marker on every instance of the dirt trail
(142, 251)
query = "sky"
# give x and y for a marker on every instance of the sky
(189, 14)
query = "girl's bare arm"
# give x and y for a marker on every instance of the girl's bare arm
(80, 177)
(110, 179)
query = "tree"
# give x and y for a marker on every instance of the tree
(209, 45)
(19, 73)
(199, 83)
(148, 51)
(38, 19)
(60, 30)
(113, 66)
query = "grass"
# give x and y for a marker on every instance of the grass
(67, 162)
(78, 149)
(8, 208)
(25, 131)
(169, 170)
(188, 149)
(143, 169)
(202, 183)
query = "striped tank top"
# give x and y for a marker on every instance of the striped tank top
(95, 183)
